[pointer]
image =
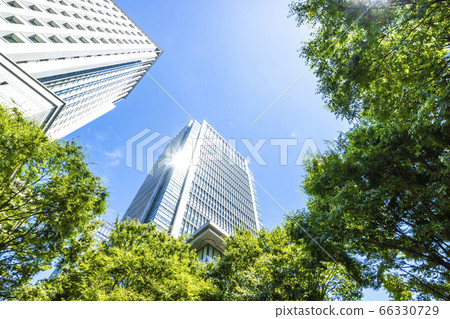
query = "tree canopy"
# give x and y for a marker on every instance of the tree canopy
(387, 58)
(49, 201)
(138, 262)
(272, 266)
(381, 192)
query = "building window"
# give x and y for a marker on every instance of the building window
(53, 24)
(71, 40)
(15, 4)
(14, 20)
(35, 8)
(55, 39)
(12, 38)
(83, 40)
(51, 11)
(36, 22)
(36, 39)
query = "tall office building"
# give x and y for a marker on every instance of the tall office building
(65, 63)
(201, 186)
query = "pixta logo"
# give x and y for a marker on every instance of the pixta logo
(141, 150)
(148, 142)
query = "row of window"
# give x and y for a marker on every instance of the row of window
(221, 202)
(222, 144)
(53, 38)
(97, 3)
(222, 195)
(228, 175)
(67, 25)
(94, 102)
(84, 100)
(35, 7)
(86, 27)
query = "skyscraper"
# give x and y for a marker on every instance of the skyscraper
(66, 63)
(199, 185)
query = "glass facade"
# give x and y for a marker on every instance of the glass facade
(199, 178)
(89, 54)
(208, 253)
(86, 92)
(103, 232)
(158, 196)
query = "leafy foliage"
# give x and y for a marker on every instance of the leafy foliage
(49, 201)
(389, 58)
(382, 192)
(271, 266)
(141, 263)
(137, 263)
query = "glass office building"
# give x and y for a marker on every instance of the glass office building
(104, 231)
(66, 63)
(200, 186)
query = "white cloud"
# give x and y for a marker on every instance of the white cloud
(114, 157)
(101, 136)
(115, 154)
(114, 163)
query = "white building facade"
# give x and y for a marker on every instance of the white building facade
(199, 183)
(88, 54)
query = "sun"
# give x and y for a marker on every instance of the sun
(180, 159)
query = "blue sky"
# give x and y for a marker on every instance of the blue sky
(225, 62)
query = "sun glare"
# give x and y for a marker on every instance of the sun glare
(180, 159)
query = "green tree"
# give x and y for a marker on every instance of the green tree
(49, 201)
(389, 58)
(381, 193)
(271, 266)
(138, 262)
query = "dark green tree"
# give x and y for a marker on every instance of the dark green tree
(271, 266)
(138, 262)
(49, 201)
(381, 193)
